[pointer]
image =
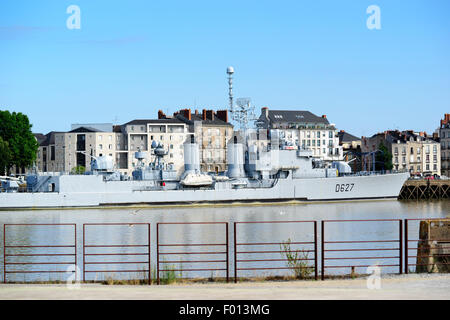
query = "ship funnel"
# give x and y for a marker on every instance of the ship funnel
(235, 157)
(191, 158)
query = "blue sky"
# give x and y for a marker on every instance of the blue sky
(132, 58)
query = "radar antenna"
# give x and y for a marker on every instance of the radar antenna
(244, 112)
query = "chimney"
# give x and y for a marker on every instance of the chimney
(342, 131)
(187, 113)
(203, 114)
(324, 116)
(265, 112)
(210, 115)
(222, 115)
(161, 115)
(196, 112)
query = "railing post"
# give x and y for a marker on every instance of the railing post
(149, 259)
(400, 229)
(322, 247)
(4, 253)
(75, 258)
(235, 254)
(406, 246)
(228, 253)
(315, 251)
(157, 253)
(84, 252)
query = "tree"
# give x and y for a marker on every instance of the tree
(5, 157)
(383, 158)
(78, 170)
(15, 129)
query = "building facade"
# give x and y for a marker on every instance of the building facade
(411, 151)
(444, 137)
(63, 151)
(305, 129)
(138, 135)
(211, 131)
(351, 147)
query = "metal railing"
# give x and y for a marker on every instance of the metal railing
(422, 260)
(260, 255)
(220, 252)
(25, 255)
(141, 250)
(340, 250)
(360, 246)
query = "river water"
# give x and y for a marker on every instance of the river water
(137, 234)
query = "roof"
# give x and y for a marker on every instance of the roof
(347, 137)
(39, 137)
(49, 138)
(198, 117)
(145, 121)
(295, 116)
(86, 129)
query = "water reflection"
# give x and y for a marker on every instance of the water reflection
(211, 234)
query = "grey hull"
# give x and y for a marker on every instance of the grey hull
(100, 193)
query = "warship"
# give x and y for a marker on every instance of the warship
(281, 172)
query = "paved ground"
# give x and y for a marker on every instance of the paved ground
(392, 287)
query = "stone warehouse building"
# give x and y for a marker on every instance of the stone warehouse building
(305, 129)
(413, 151)
(444, 137)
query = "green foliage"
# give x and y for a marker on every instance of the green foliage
(168, 274)
(297, 260)
(383, 159)
(78, 170)
(15, 129)
(5, 156)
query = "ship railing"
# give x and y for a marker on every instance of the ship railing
(371, 173)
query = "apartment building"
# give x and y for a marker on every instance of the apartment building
(444, 137)
(413, 151)
(212, 131)
(63, 151)
(305, 129)
(139, 134)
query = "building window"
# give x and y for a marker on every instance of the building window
(435, 149)
(100, 146)
(330, 134)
